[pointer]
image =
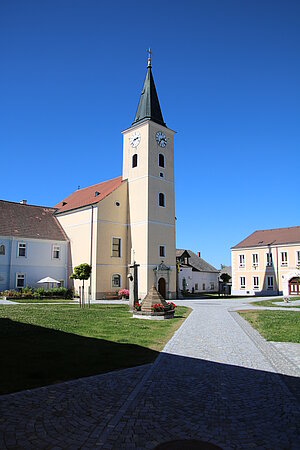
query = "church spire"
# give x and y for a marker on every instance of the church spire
(148, 107)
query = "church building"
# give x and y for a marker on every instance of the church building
(131, 218)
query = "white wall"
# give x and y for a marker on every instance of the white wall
(200, 278)
(38, 262)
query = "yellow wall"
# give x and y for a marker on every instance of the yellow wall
(81, 232)
(149, 224)
(112, 222)
(279, 272)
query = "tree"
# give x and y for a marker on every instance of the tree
(82, 272)
(225, 277)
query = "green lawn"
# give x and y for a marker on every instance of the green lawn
(279, 326)
(42, 300)
(44, 344)
(270, 303)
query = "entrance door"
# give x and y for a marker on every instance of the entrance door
(294, 286)
(162, 287)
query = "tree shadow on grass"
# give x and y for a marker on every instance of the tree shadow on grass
(33, 356)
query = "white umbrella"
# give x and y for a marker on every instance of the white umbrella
(48, 280)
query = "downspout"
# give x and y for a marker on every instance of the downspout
(277, 269)
(10, 262)
(91, 250)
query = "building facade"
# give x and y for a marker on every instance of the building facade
(131, 218)
(195, 275)
(267, 263)
(33, 246)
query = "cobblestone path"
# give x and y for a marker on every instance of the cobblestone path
(217, 381)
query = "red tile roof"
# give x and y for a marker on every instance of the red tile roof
(275, 236)
(29, 221)
(89, 195)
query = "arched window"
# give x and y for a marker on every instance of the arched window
(116, 280)
(161, 199)
(161, 160)
(134, 160)
(2, 249)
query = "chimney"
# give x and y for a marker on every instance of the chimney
(23, 202)
(199, 254)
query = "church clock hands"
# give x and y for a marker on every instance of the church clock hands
(161, 139)
(135, 139)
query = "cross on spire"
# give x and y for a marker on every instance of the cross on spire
(149, 57)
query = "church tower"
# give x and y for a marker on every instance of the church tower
(148, 167)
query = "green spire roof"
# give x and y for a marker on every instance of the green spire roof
(148, 107)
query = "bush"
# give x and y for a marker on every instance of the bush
(39, 293)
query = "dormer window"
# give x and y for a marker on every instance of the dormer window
(97, 193)
(64, 203)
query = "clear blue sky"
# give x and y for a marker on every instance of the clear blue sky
(227, 75)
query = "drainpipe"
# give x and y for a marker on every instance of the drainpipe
(10, 262)
(91, 251)
(277, 269)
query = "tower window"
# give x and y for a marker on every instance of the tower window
(161, 160)
(134, 160)
(116, 247)
(162, 251)
(161, 199)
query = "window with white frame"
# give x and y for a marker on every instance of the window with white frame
(116, 247)
(21, 249)
(269, 257)
(242, 282)
(255, 282)
(2, 249)
(212, 286)
(241, 260)
(116, 280)
(196, 287)
(284, 259)
(270, 283)
(20, 280)
(297, 258)
(56, 252)
(254, 259)
(162, 251)
(203, 286)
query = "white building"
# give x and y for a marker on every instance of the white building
(195, 274)
(33, 246)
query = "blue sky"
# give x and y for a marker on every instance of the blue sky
(227, 75)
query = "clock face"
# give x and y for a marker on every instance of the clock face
(161, 139)
(135, 139)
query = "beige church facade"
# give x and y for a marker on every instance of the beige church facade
(267, 263)
(131, 218)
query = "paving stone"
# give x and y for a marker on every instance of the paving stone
(217, 381)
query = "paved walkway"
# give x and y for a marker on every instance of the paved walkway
(217, 380)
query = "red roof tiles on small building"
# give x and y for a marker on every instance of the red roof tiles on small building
(89, 195)
(29, 221)
(276, 236)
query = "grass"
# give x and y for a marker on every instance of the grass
(270, 303)
(42, 300)
(278, 326)
(45, 344)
